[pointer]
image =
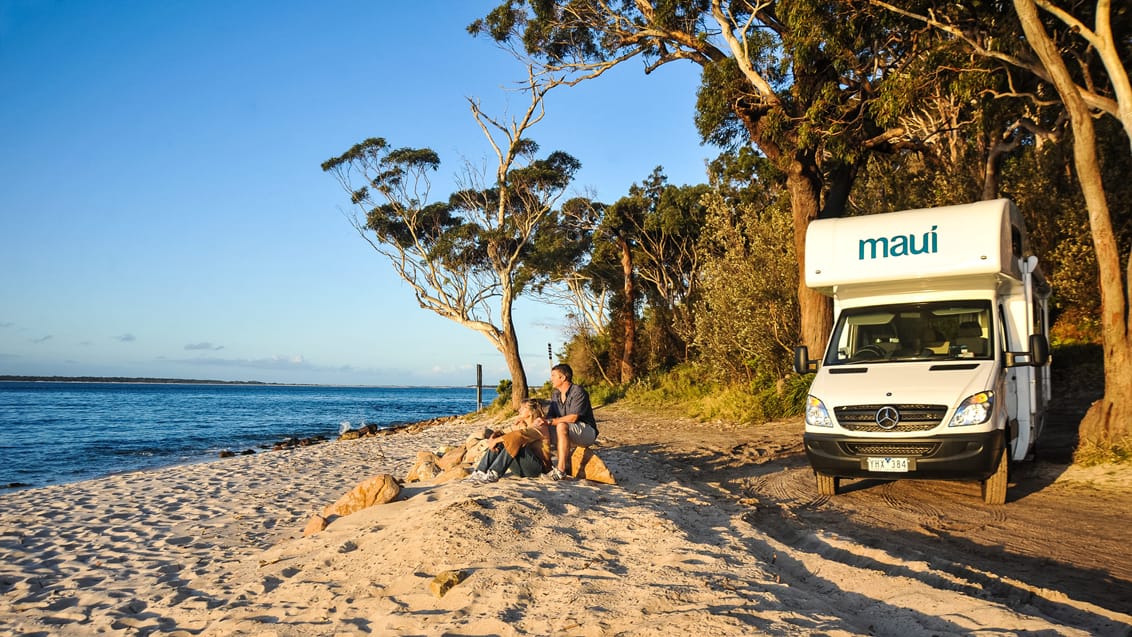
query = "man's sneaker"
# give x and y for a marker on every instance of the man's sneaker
(491, 476)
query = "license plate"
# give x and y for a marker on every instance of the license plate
(888, 464)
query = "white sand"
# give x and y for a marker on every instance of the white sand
(216, 549)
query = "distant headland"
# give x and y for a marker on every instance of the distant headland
(121, 379)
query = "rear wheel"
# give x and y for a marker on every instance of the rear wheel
(994, 487)
(827, 485)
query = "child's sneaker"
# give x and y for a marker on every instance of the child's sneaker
(556, 474)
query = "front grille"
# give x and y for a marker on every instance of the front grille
(888, 450)
(912, 417)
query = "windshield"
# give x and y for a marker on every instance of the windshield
(945, 330)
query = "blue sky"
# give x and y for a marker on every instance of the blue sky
(162, 209)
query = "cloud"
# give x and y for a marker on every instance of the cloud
(125, 338)
(273, 362)
(5, 324)
(42, 339)
(203, 346)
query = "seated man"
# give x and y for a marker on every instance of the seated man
(571, 416)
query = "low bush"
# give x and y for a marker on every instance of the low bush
(686, 389)
(1090, 454)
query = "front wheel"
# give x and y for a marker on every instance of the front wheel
(827, 485)
(994, 487)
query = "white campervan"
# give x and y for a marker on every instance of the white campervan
(938, 363)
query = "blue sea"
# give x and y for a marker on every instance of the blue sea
(58, 432)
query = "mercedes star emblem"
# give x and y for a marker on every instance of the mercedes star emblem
(888, 417)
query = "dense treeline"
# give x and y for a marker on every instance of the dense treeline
(863, 106)
(819, 109)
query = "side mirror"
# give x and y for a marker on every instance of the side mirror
(1036, 357)
(802, 359)
(1039, 350)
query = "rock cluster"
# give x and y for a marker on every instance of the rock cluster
(291, 443)
(438, 467)
(370, 430)
(228, 453)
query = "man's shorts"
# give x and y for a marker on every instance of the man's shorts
(581, 434)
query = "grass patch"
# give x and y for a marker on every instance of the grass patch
(1090, 454)
(684, 389)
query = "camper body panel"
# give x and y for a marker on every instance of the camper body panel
(920, 378)
(930, 244)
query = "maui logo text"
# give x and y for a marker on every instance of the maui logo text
(898, 246)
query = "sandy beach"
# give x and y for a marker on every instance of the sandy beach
(216, 549)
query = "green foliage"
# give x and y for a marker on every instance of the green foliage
(686, 389)
(747, 314)
(679, 387)
(721, 86)
(503, 394)
(588, 355)
(602, 393)
(1076, 326)
(795, 390)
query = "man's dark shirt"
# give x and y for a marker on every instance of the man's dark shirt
(577, 402)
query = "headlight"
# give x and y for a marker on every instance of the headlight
(975, 410)
(816, 413)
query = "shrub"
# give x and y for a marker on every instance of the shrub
(503, 395)
(747, 316)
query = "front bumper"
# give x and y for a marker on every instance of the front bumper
(952, 457)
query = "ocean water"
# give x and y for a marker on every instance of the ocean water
(58, 432)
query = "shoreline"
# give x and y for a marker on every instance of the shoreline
(129, 380)
(64, 432)
(260, 449)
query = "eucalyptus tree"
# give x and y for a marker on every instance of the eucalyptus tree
(669, 263)
(1083, 50)
(574, 281)
(469, 257)
(617, 228)
(799, 79)
(746, 308)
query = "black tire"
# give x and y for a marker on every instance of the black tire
(827, 485)
(994, 487)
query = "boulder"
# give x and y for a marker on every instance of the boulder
(585, 464)
(452, 458)
(426, 468)
(316, 524)
(451, 475)
(445, 581)
(376, 490)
